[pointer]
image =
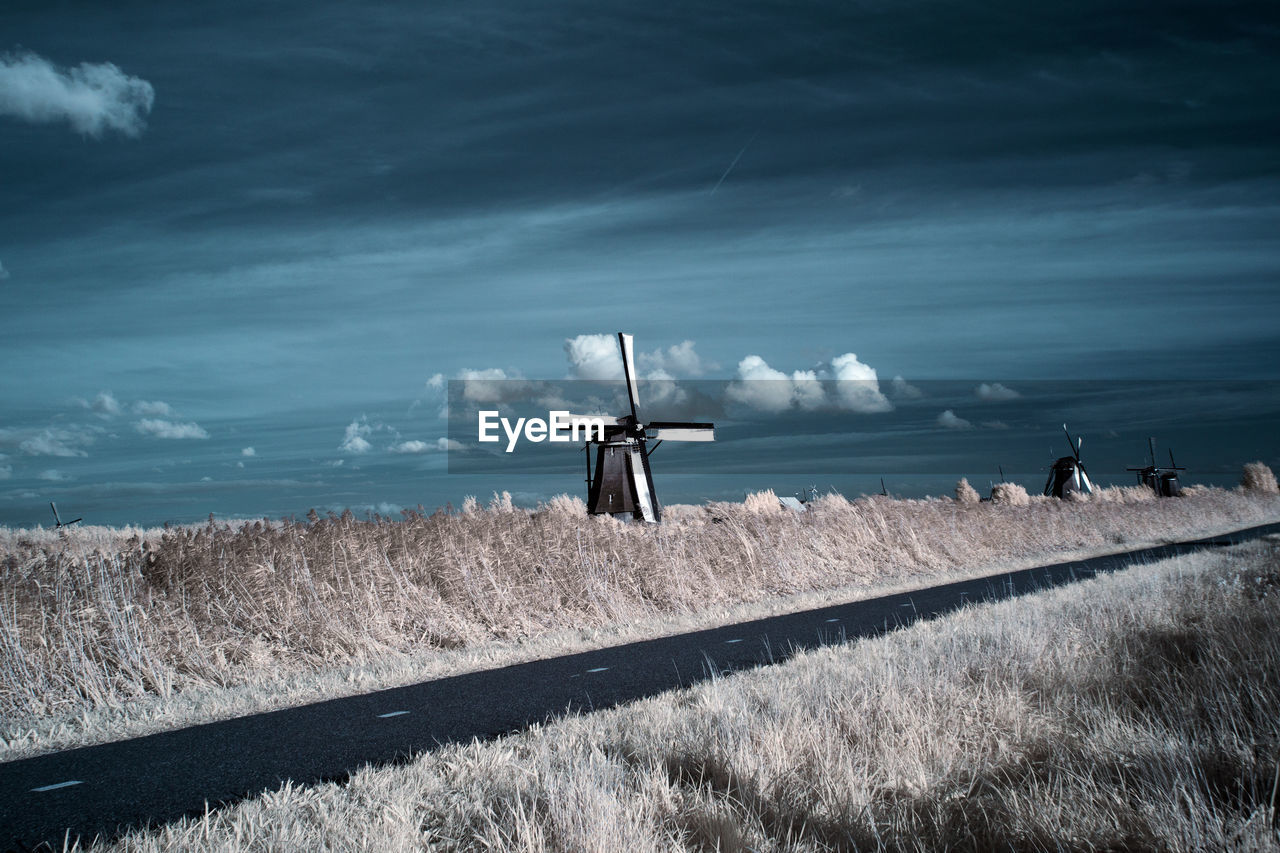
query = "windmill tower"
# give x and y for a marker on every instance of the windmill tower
(1163, 481)
(622, 482)
(1068, 474)
(58, 522)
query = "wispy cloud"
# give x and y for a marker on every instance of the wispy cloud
(105, 405)
(994, 392)
(153, 409)
(170, 429)
(4, 273)
(416, 447)
(57, 441)
(92, 97)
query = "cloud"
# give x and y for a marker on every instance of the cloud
(414, 447)
(857, 389)
(105, 404)
(355, 440)
(248, 451)
(4, 273)
(761, 386)
(153, 409)
(436, 382)
(994, 425)
(901, 389)
(53, 475)
(56, 442)
(950, 420)
(6, 472)
(994, 392)
(593, 357)
(679, 360)
(170, 429)
(92, 97)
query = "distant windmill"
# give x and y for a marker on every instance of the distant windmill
(1068, 474)
(1162, 481)
(58, 522)
(622, 483)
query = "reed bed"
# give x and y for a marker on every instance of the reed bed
(94, 620)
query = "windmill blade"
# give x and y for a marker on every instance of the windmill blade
(629, 368)
(635, 460)
(1152, 443)
(54, 507)
(1075, 446)
(680, 431)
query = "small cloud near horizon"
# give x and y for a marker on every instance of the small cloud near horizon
(950, 420)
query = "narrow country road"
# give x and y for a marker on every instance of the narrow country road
(102, 790)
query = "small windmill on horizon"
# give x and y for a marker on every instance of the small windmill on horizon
(57, 519)
(1068, 474)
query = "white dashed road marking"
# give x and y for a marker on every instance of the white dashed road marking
(738, 640)
(598, 669)
(57, 786)
(833, 620)
(392, 714)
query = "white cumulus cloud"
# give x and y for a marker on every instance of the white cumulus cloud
(170, 429)
(994, 392)
(355, 440)
(950, 420)
(593, 357)
(93, 97)
(248, 451)
(679, 360)
(845, 383)
(857, 389)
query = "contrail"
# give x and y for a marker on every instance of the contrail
(735, 162)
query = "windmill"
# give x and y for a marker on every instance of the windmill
(1068, 474)
(1163, 481)
(622, 483)
(58, 522)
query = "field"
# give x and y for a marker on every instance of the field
(1136, 711)
(109, 633)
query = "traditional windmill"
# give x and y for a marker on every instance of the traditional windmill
(622, 483)
(1163, 481)
(1067, 474)
(58, 522)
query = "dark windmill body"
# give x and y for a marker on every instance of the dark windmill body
(621, 482)
(1068, 475)
(1163, 481)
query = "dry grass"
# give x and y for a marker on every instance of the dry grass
(1258, 477)
(1138, 711)
(105, 634)
(1011, 494)
(965, 493)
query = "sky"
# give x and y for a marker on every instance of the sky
(245, 248)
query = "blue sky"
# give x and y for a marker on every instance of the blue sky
(254, 226)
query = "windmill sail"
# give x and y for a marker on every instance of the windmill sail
(622, 483)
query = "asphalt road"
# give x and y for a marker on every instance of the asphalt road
(104, 790)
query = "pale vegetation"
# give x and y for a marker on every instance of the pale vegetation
(1137, 711)
(1257, 477)
(112, 633)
